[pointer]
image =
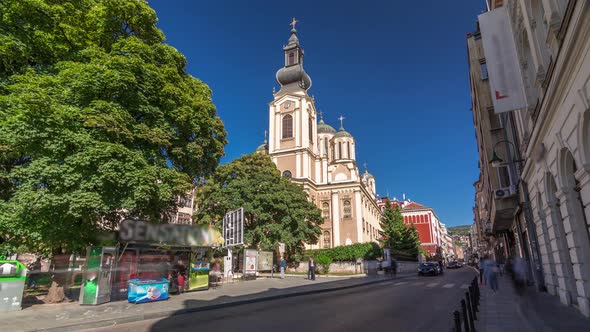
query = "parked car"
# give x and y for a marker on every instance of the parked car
(425, 269)
(453, 265)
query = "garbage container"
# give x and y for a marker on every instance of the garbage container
(12, 285)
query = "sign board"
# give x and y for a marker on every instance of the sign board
(265, 260)
(233, 228)
(8, 270)
(169, 234)
(281, 248)
(228, 265)
(507, 87)
(250, 261)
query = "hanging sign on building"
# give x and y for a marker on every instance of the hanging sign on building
(506, 84)
(170, 234)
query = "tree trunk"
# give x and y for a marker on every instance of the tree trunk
(58, 278)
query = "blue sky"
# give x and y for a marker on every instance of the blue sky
(396, 70)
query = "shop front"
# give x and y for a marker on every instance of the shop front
(150, 262)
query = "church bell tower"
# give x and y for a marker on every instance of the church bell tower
(292, 118)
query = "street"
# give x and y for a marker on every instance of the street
(406, 304)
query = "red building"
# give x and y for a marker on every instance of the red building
(430, 230)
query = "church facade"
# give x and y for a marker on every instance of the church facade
(319, 158)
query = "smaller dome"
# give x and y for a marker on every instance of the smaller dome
(262, 147)
(324, 128)
(342, 133)
(368, 175)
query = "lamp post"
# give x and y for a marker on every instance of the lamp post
(497, 161)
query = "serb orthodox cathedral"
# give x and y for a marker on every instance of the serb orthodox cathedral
(320, 158)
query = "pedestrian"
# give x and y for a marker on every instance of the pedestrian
(481, 275)
(393, 268)
(491, 273)
(519, 270)
(311, 269)
(180, 282)
(283, 266)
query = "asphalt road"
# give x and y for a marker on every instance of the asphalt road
(408, 304)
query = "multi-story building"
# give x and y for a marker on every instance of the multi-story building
(321, 159)
(545, 145)
(432, 233)
(184, 212)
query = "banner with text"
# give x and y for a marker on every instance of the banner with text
(507, 88)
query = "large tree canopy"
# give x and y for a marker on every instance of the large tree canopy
(275, 209)
(395, 234)
(99, 120)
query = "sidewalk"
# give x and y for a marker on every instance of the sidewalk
(505, 310)
(74, 317)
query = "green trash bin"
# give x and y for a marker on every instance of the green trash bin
(12, 285)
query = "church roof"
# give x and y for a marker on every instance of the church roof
(262, 147)
(325, 128)
(342, 133)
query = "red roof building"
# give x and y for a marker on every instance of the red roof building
(431, 231)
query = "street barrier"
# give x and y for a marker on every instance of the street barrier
(464, 318)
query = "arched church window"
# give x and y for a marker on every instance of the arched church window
(288, 126)
(287, 174)
(339, 150)
(346, 209)
(327, 240)
(325, 210)
(310, 124)
(348, 147)
(326, 146)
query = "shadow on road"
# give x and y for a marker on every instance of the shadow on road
(202, 313)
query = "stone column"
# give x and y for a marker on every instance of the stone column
(546, 252)
(358, 215)
(579, 242)
(335, 206)
(566, 286)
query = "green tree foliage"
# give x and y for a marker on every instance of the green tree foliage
(324, 261)
(411, 241)
(395, 235)
(99, 120)
(351, 252)
(275, 209)
(393, 229)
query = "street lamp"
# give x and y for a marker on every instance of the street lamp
(496, 161)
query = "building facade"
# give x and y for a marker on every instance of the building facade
(319, 158)
(433, 235)
(548, 153)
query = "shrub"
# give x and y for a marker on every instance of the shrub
(348, 253)
(324, 261)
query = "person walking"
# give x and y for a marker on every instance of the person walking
(311, 269)
(481, 272)
(519, 269)
(491, 273)
(283, 266)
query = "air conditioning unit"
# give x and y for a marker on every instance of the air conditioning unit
(503, 193)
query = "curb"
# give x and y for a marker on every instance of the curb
(171, 313)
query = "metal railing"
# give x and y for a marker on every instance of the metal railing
(464, 320)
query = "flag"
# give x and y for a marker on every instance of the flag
(507, 88)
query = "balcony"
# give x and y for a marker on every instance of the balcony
(502, 213)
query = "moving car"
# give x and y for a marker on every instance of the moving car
(425, 269)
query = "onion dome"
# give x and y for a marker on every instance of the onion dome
(292, 73)
(324, 128)
(342, 133)
(262, 148)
